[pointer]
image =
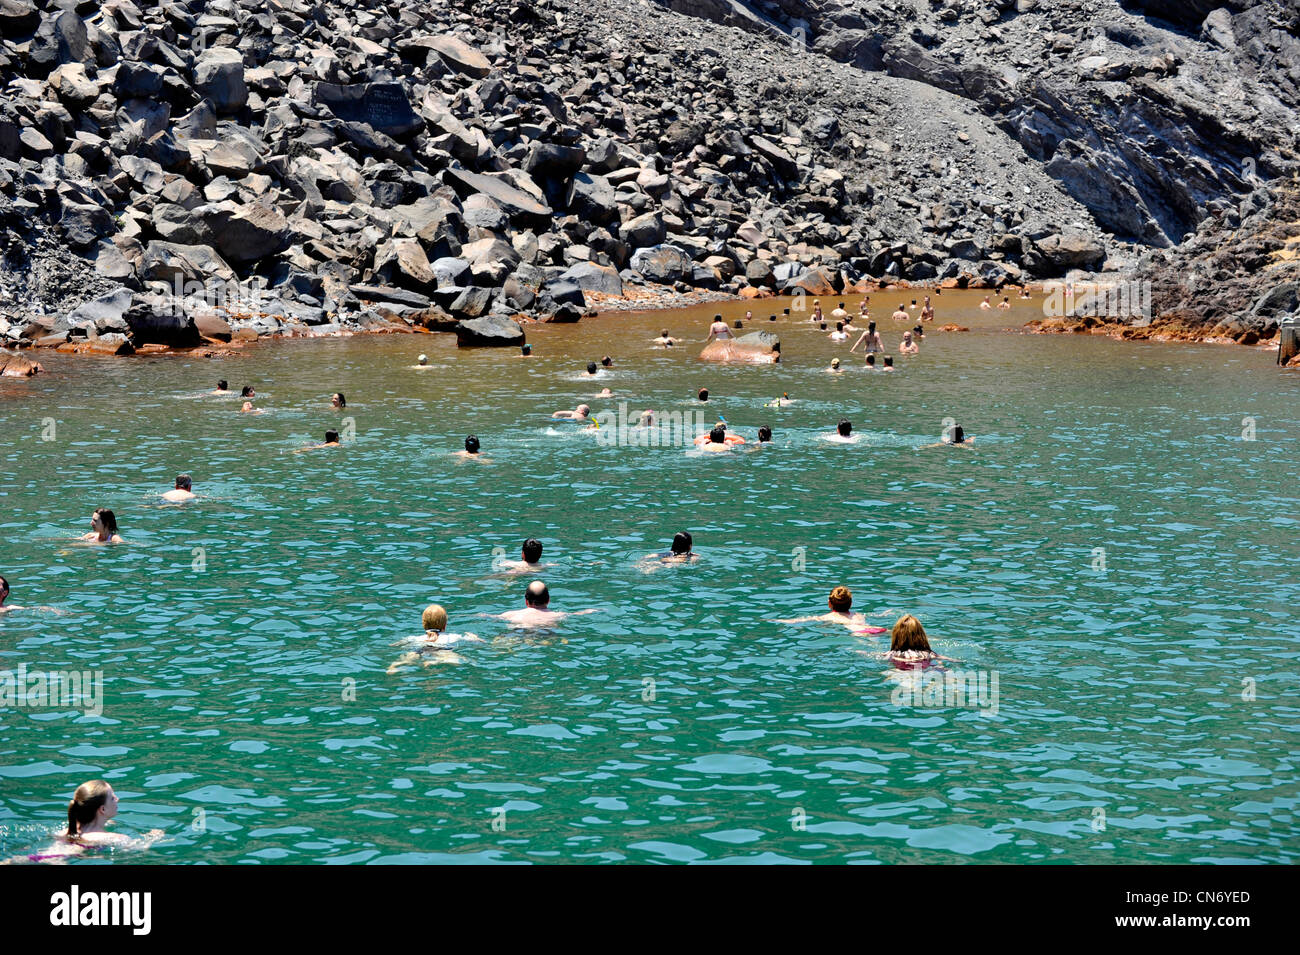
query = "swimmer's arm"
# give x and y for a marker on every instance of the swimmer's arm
(799, 620)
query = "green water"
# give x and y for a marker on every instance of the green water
(1145, 713)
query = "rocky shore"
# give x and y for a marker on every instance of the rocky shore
(199, 174)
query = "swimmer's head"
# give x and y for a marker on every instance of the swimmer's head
(583, 410)
(703, 394)
(908, 634)
(247, 392)
(718, 435)
(771, 318)
(764, 434)
(647, 417)
(104, 519)
(606, 393)
(823, 326)
(841, 599)
(434, 618)
(841, 304)
(682, 543)
(532, 550)
(845, 428)
(4, 589)
(718, 317)
(664, 333)
(958, 435)
(739, 323)
(748, 316)
(472, 444)
(871, 326)
(871, 361)
(184, 482)
(223, 385)
(331, 437)
(785, 311)
(907, 336)
(247, 406)
(537, 595)
(423, 359)
(92, 800)
(835, 363)
(591, 367)
(607, 361)
(839, 326)
(338, 401)
(525, 349)
(889, 361)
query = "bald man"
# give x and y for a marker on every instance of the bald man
(536, 611)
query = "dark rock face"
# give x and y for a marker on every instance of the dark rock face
(400, 163)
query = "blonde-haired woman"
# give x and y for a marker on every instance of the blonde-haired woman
(908, 644)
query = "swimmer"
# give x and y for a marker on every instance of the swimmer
(525, 351)
(92, 807)
(889, 364)
(681, 551)
(841, 612)
(871, 363)
(604, 393)
(104, 527)
(607, 362)
(1024, 291)
(872, 339)
(901, 315)
(913, 305)
(702, 394)
(247, 408)
(835, 366)
(839, 335)
(918, 332)
(838, 313)
(591, 371)
(532, 557)
(907, 346)
(223, 388)
(719, 330)
(4, 595)
(843, 433)
(331, 441)
(749, 317)
(248, 391)
(909, 644)
(472, 450)
(764, 436)
(954, 437)
(717, 440)
(338, 401)
(647, 419)
(848, 324)
(537, 612)
(435, 638)
(781, 402)
(1005, 303)
(986, 304)
(422, 361)
(822, 326)
(927, 311)
(579, 413)
(665, 340)
(182, 492)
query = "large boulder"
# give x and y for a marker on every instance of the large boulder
(249, 232)
(110, 306)
(491, 331)
(516, 203)
(62, 38)
(663, 264)
(644, 231)
(219, 76)
(818, 281)
(591, 198)
(16, 366)
(176, 263)
(591, 277)
(383, 106)
(490, 260)
(160, 321)
(458, 55)
(1056, 254)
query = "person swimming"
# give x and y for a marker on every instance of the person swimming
(473, 450)
(838, 313)
(908, 643)
(223, 388)
(918, 332)
(525, 351)
(889, 363)
(717, 440)
(536, 611)
(532, 559)
(781, 402)
(579, 413)
(927, 311)
(702, 394)
(607, 362)
(764, 436)
(907, 346)
(591, 369)
(182, 491)
(871, 363)
(680, 551)
(247, 408)
(337, 400)
(665, 340)
(331, 441)
(103, 524)
(4, 595)
(430, 648)
(872, 339)
(92, 807)
(839, 335)
(843, 433)
(422, 361)
(605, 393)
(841, 612)
(248, 391)
(986, 304)
(954, 436)
(901, 315)
(835, 365)
(1005, 303)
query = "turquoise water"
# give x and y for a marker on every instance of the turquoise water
(248, 713)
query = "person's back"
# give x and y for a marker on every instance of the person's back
(182, 491)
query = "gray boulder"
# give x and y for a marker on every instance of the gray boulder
(491, 331)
